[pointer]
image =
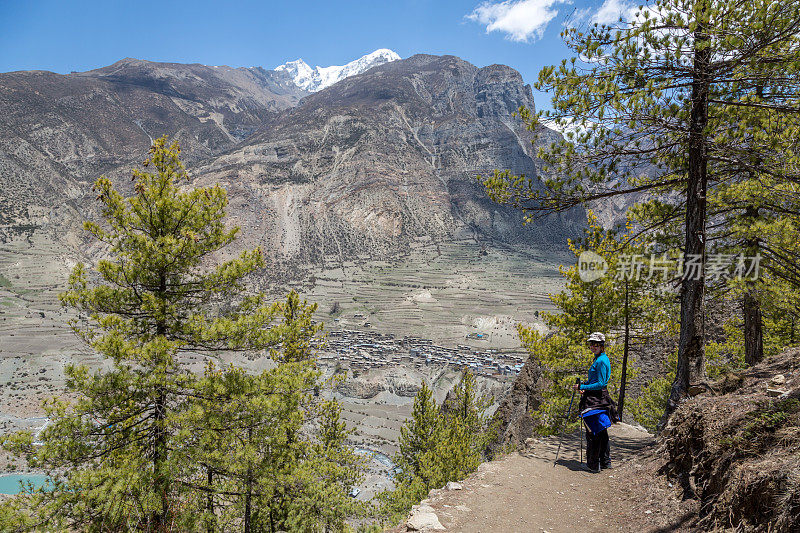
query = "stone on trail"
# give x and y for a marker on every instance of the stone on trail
(779, 379)
(453, 485)
(423, 519)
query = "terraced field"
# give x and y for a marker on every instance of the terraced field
(35, 341)
(440, 293)
(443, 293)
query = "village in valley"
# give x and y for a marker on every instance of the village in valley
(364, 350)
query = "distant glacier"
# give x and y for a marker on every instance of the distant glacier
(318, 78)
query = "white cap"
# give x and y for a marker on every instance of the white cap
(597, 337)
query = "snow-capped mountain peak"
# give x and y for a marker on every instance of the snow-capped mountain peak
(320, 77)
(299, 71)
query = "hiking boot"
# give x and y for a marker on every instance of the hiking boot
(606, 467)
(595, 470)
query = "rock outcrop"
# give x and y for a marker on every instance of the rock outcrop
(513, 416)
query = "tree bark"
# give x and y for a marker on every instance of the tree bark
(690, 367)
(160, 481)
(210, 500)
(621, 403)
(248, 494)
(753, 325)
(159, 457)
(753, 332)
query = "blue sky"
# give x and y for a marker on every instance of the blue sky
(64, 36)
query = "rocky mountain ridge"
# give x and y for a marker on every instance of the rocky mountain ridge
(365, 167)
(59, 133)
(387, 157)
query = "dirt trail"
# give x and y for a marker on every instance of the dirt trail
(525, 492)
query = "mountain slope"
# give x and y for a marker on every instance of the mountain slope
(58, 133)
(363, 168)
(236, 100)
(384, 158)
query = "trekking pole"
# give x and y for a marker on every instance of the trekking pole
(560, 440)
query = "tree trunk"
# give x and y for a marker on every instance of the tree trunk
(691, 368)
(753, 333)
(247, 498)
(248, 494)
(160, 481)
(210, 500)
(621, 403)
(271, 520)
(753, 326)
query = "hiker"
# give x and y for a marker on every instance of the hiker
(596, 406)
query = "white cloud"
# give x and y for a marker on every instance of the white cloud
(520, 20)
(632, 12)
(611, 11)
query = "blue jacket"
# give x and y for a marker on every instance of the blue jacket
(599, 373)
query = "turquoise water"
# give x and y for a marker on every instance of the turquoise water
(382, 459)
(10, 484)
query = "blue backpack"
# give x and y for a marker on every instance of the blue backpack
(596, 420)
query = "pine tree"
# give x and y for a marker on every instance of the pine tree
(466, 433)
(418, 436)
(148, 445)
(277, 454)
(630, 303)
(757, 214)
(147, 304)
(438, 445)
(467, 405)
(657, 105)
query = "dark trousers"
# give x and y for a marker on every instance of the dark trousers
(597, 451)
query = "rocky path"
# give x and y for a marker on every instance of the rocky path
(525, 491)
